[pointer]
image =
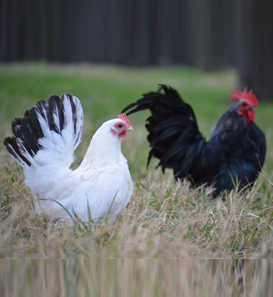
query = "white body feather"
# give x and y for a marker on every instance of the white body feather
(102, 181)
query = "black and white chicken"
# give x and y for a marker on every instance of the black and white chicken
(43, 144)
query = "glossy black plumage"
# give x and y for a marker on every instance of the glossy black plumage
(236, 149)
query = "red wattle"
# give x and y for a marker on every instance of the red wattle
(250, 115)
(123, 134)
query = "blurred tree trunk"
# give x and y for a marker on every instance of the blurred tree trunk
(255, 46)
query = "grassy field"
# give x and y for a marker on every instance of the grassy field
(164, 219)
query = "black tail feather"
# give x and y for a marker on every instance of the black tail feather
(13, 149)
(55, 109)
(173, 131)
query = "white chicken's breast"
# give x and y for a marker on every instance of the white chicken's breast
(44, 144)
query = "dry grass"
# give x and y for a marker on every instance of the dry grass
(132, 278)
(163, 220)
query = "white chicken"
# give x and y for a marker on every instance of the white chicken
(44, 144)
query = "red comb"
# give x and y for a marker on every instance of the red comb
(124, 118)
(249, 96)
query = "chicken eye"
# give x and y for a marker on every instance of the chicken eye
(120, 125)
(244, 104)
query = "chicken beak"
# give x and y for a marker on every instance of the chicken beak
(130, 128)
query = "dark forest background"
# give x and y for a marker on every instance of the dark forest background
(209, 35)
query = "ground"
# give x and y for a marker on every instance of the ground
(164, 219)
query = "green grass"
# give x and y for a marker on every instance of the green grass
(164, 219)
(104, 90)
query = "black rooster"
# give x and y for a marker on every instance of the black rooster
(236, 148)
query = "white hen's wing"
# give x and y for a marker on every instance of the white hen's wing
(108, 190)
